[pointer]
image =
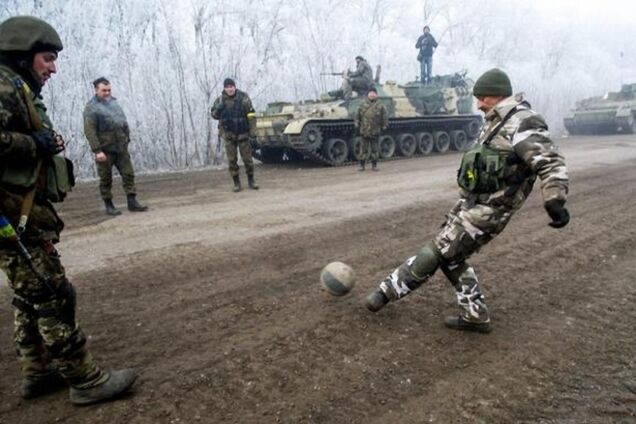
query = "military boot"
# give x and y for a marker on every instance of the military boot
(459, 323)
(374, 165)
(107, 387)
(473, 312)
(237, 184)
(42, 384)
(134, 205)
(110, 208)
(251, 183)
(362, 165)
(376, 300)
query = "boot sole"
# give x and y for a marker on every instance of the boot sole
(122, 392)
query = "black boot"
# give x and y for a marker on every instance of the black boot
(110, 208)
(376, 300)
(43, 384)
(459, 323)
(237, 184)
(134, 205)
(251, 182)
(362, 165)
(374, 165)
(114, 384)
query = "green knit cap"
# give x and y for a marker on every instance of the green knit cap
(494, 82)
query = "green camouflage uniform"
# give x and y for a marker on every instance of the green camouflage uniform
(478, 217)
(107, 131)
(45, 326)
(360, 80)
(237, 122)
(371, 119)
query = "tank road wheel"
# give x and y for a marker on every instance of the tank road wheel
(312, 136)
(472, 128)
(442, 141)
(336, 151)
(459, 140)
(406, 145)
(425, 143)
(355, 148)
(386, 146)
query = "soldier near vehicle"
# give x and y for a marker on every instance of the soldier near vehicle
(495, 178)
(237, 122)
(108, 133)
(426, 44)
(50, 345)
(360, 80)
(371, 119)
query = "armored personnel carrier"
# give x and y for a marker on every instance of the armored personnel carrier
(423, 118)
(614, 112)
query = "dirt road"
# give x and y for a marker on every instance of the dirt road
(214, 297)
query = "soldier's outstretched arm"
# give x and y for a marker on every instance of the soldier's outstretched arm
(532, 143)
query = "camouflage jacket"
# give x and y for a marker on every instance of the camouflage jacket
(525, 142)
(105, 125)
(17, 148)
(372, 118)
(235, 114)
(363, 70)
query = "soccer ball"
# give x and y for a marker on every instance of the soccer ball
(337, 278)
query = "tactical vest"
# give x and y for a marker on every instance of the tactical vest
(482, 169)
(234, 118)
(52, 177)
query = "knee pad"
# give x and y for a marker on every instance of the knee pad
(426, 262)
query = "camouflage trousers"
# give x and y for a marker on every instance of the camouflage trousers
(468, 227)
(370, 148)
(360, 85)
(120, 160)
(45, 330)
(234, 145)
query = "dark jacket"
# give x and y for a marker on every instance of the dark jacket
(105, 125)
(235, 114)
(426, 43)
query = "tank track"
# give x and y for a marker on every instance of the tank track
(344, 130)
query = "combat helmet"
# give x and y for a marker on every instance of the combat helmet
(28, 34)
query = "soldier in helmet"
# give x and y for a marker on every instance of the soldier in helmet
(108, 133)
(237, 123)
(50, 345)
(516, 146)
(370, 120)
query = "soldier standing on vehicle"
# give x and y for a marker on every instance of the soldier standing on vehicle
(495, 178)
(237, 124)
(426, 44)
(359, 80)
(108, 134)
(371, 119)
(50, 345)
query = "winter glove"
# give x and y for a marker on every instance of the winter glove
(558, 213)
(47, 143)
